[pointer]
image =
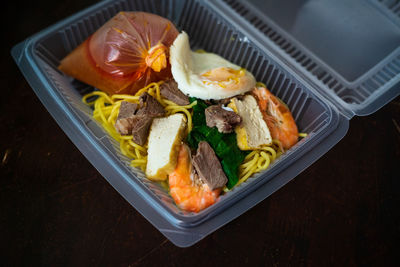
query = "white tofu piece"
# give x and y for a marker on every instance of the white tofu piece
(253, 133)
(165, 138)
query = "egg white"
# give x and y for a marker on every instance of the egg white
(187, 68)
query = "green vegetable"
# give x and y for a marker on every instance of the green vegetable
(231, 172)
(224, 145)
(199, 118)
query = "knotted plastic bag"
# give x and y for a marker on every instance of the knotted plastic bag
(128, 52)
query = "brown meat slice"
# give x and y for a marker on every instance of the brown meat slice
(170, 91)
(149, 106)
(138, 125)
(225, 120)
(123, 124)
(208, 166)
(140, 128)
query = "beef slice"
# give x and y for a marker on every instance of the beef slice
(149, 106)
(208, 167)
(170, 91)
(224, 120)
(140, 128)
(127, 110)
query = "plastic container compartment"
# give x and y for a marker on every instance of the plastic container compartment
(322, 98)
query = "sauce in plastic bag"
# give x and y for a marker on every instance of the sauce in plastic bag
(132, 48)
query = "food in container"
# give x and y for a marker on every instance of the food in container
(196, 148)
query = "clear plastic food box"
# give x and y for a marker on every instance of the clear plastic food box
(328, 60)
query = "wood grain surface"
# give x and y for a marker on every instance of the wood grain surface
(57, 210)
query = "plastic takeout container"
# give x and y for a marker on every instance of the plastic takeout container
(328, 60)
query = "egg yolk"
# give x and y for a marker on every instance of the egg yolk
(226, 78)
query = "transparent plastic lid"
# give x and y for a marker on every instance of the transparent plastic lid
(349, 49)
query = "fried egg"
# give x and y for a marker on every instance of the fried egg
(206, 75)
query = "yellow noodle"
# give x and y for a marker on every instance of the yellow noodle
(138, 160)
(98, 106)
(145, 89)
(302, 134)
(270, 150)
(252, 163)
(85, 97)
(246, 164)
(176, 109)
(245, 176)
(137, 154)
(96, 93)
(105, 109)
(126, 97)
(114, 113)
(136, 146)
(122, 148)
(172, 104)
(139, 164)
(257, 161)
(124, 137)
(260, 164)
(251, 154)
(158, 95)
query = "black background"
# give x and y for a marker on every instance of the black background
(56, 209)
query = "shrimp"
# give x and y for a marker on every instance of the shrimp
(189, 194)
(277, 116)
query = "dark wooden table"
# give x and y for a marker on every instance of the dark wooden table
(56, 209)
